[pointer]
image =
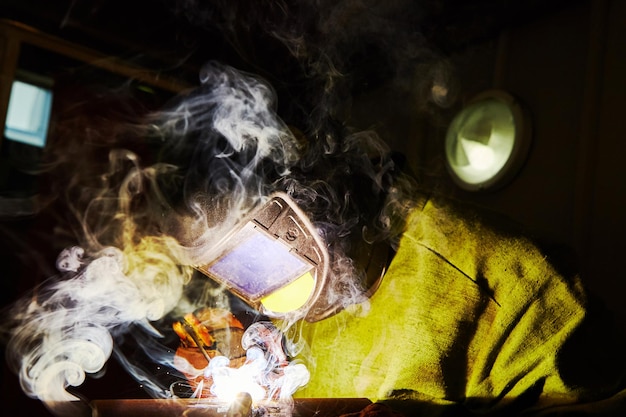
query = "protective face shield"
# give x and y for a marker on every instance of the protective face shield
(275, 261)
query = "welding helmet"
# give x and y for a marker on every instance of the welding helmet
(276, 262)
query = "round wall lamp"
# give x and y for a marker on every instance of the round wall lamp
(488, 141)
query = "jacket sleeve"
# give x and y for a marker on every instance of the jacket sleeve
(470, 316)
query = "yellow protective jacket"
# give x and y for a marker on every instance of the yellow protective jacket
(471, 320)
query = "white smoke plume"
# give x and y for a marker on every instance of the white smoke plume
(222, 150)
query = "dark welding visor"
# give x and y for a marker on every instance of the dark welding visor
(274, 260)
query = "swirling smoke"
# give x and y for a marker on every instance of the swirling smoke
(223, 149)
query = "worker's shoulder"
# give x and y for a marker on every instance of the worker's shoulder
(488, 247)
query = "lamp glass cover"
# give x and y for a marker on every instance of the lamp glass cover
(480, 141)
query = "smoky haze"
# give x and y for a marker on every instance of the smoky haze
(223, 148)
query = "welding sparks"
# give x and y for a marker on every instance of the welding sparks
(210, 356)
